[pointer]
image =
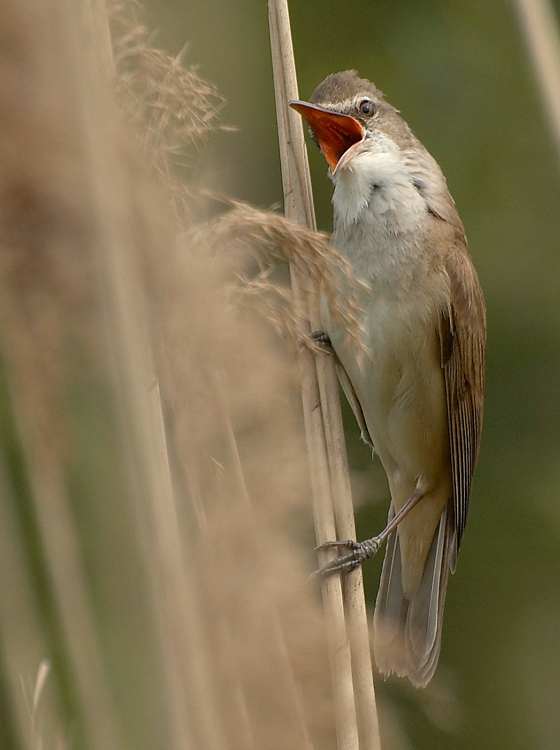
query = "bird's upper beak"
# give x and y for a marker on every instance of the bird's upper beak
(335, 132)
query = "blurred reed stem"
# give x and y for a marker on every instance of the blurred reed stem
(173, 582)
(539, 26)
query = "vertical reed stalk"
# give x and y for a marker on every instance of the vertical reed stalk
(172, 578)
(539, 26)
(352, 677)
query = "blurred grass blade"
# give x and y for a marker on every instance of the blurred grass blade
(539, 25)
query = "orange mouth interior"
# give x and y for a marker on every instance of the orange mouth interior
(335, 132)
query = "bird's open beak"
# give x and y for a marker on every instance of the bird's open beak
(335, 132)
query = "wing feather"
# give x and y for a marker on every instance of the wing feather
(463, 344)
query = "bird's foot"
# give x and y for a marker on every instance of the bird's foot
(358, 552)
(318, 340)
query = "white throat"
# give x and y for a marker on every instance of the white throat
(373, 184)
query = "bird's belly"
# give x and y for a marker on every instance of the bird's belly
(399, 384)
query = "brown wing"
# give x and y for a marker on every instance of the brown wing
(463, 344)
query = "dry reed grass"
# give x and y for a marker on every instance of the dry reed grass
(268, 238)
(170, 108)
(149, 526)
(153, 476)
(344, 602)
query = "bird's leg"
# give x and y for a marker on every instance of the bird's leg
(360, 551)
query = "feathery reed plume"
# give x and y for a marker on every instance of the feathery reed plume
(268, 237)
(174, 106)
(172, 110)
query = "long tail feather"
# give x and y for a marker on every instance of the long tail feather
(407, 633)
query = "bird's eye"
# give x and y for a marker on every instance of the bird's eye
(367, 107)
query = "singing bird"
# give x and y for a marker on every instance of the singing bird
(418, 396)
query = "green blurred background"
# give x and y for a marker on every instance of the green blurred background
(459, 73)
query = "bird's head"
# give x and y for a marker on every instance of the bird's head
(375, 160)
(344, 113)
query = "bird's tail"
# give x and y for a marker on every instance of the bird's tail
(407, 633)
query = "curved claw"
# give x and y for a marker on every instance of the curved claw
(350, 543)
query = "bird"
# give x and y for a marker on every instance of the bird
(418, 395)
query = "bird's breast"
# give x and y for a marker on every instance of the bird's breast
(377, 187)
(398, 380)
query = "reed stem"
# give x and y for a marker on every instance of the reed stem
(355, 707)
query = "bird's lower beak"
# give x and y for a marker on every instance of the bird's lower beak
(335, 132)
